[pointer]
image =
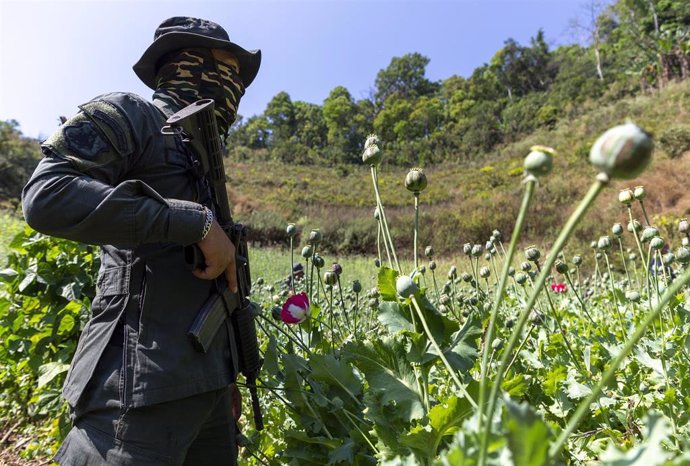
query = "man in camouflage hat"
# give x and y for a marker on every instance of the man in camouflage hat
(139, 392)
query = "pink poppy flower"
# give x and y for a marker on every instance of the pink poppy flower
(559, 287)
(296, 309)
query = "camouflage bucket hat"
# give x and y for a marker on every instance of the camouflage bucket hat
(183, 32)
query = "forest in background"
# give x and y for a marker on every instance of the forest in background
(469, 133)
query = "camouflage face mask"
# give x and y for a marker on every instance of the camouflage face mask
(192, 74)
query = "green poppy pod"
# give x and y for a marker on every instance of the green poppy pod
(466, 277)
(577, 260)
(604, 243)
(432, 265)
(314, 237)
(526, 266)
(617, 229)
(497, 344)
(539, 161)
(484, 272)
(634, 226)
(415, 180)
(683, 255)
(521, 278)
(561, 267)
(683, 225)
(307, 251)
(372, 155)
(623, 151)
(632, 295)
(626, 196)
(511, 271)
(356, 286)
(372, 140)
(405, 286)
(639, 193)
(649, 233)
(467, 249)
(318, 261)
(656, 243)
(291, 230)
(532, 254)
(429, 252)
(330, 277)
(476, 250)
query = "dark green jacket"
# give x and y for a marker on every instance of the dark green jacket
(111, 178)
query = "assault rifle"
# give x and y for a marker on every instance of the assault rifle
(196, 125)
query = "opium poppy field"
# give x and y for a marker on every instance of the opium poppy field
(504, 354)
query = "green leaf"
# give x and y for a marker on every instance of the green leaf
(527, 433)
(394, 318)
(649, 452)
(446, 418)
(515, 386)
(47, 372)
(422, 441)
(576, 390)
(386, 284)
(338, 373)
(343, 454)
(554, 377)
(389, 374)
(462, 352)
(270, 365)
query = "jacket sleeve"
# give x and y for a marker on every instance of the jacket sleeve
(79, 191)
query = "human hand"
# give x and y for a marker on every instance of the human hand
(219, 257)
(236, 402)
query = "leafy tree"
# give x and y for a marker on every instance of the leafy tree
(19, 156)
(404, 78)
(339, 111)
(280, 114)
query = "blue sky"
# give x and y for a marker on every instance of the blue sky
(55, 55)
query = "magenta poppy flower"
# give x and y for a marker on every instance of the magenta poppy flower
(295, 309)
(558, 287)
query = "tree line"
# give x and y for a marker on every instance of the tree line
(626, 47)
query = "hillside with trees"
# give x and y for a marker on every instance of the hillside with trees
(301, 162)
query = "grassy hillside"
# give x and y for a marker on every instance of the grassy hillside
(464, 203)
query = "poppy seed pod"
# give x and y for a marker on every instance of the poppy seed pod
(484, 272)
(649, 233)
(626, 196)
(598, 255)
(497, 344)
(656, 243)
(372, 155)
(318, 261)
(488, 246)
(444, 299)
(422, 269)
(372, 140)
(432, 265)
(291, 230)
(496, 234)
(639, 193)
(467, 249)
(617, 229)
(429, 252)
(307, 252)
(377, 214)
(604, 243)
(466, 277)
(330, 277)
(521, 278)
(526, 266)
(314, 237)
(536, 317)
(623, 151)
(683, 255)
(453, 272)
(634, 226)
(577, 260)
(561, 267)
(539, 161)
(356, 286)
(337, 268)
(532, 254)
(669, 258)
(487, 256)
(415, 180)
(476, 250)
(511, 271)
(405, 286)
(683, 225)
(373, 303)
